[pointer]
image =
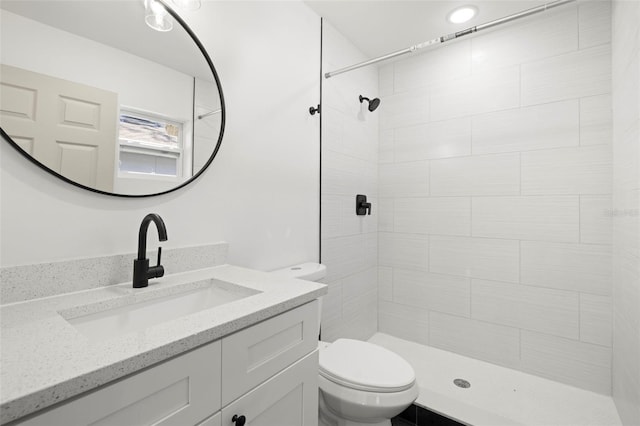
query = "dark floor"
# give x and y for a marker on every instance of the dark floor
(418, 416)
(397, 421)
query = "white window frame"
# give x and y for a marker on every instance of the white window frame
(156, 150)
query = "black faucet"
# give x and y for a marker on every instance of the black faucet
(141, 270)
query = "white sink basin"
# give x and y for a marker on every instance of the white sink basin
(137, 312)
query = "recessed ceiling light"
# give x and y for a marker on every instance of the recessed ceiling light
(462, 14)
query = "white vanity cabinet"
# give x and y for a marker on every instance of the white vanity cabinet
(287, 344)
(288, 399)
(266, 372)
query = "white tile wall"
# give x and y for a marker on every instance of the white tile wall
(350, 152)
(577, 267)
(577, 363)
(418, 72)
(486, 91)
(403, 250)
(403, 321)
(546, 218)
(495, 174)
(531, 308)
(385, 214)
(580, 170)
(594, 23)
(436, 292)
(596, 120)
(482, 340)
(492, 259)
(550, 125)
(626, 209)
(345, 175)
(440, 139)
(385, 146)
(404, 109)
(385, 283)
(495, 90)
(360, 316)
(385, 79)
(404, 179)
(433, 215)
(332, 303)
(595, 319)
(527, 40)
(569, 76)
(595, 219)
(344, 256)
(354, 286)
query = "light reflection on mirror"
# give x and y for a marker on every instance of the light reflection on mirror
(92, 93)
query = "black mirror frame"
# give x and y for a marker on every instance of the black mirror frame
(195, 39)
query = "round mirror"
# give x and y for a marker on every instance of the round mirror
(117, 97)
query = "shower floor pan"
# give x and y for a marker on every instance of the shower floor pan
(496, 396)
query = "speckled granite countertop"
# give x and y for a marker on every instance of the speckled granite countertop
(45, 360)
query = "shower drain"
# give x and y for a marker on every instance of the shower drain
(462, 383)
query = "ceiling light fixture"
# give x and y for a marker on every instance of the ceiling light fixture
(156, 16)
(462, 14)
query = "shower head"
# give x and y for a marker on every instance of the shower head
(373, 103)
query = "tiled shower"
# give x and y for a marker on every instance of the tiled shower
(505, 193)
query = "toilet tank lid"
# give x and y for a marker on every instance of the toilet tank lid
(310, 271)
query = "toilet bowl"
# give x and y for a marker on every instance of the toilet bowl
(360, 384)
(363, 384)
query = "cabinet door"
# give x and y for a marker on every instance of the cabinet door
(181, 391)
(212, 421)
(252, 355)
(287, 399)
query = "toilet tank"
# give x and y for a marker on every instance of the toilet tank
(309, 271)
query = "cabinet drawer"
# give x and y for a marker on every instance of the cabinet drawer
(288, 399)
(252, 355)
(181, 391)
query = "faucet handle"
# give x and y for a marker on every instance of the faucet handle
(158, 270)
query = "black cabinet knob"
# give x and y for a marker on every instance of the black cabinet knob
(239, 420)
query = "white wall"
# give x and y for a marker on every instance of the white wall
(261, 192)
(349, 167)
(495, 186)
(626, 210)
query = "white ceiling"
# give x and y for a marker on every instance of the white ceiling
(378, 27)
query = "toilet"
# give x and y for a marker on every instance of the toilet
(361, 384)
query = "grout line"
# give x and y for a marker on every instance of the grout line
(580, 317)
(470, 216)
(520, 170)
(580, 122)
(520, 86)
(520, 262)
(470, 297)
(520, 346)
(579, 219)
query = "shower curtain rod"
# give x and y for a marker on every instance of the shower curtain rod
(451, 36)
(201, 116)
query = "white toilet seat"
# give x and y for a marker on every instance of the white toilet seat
(363, 366)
